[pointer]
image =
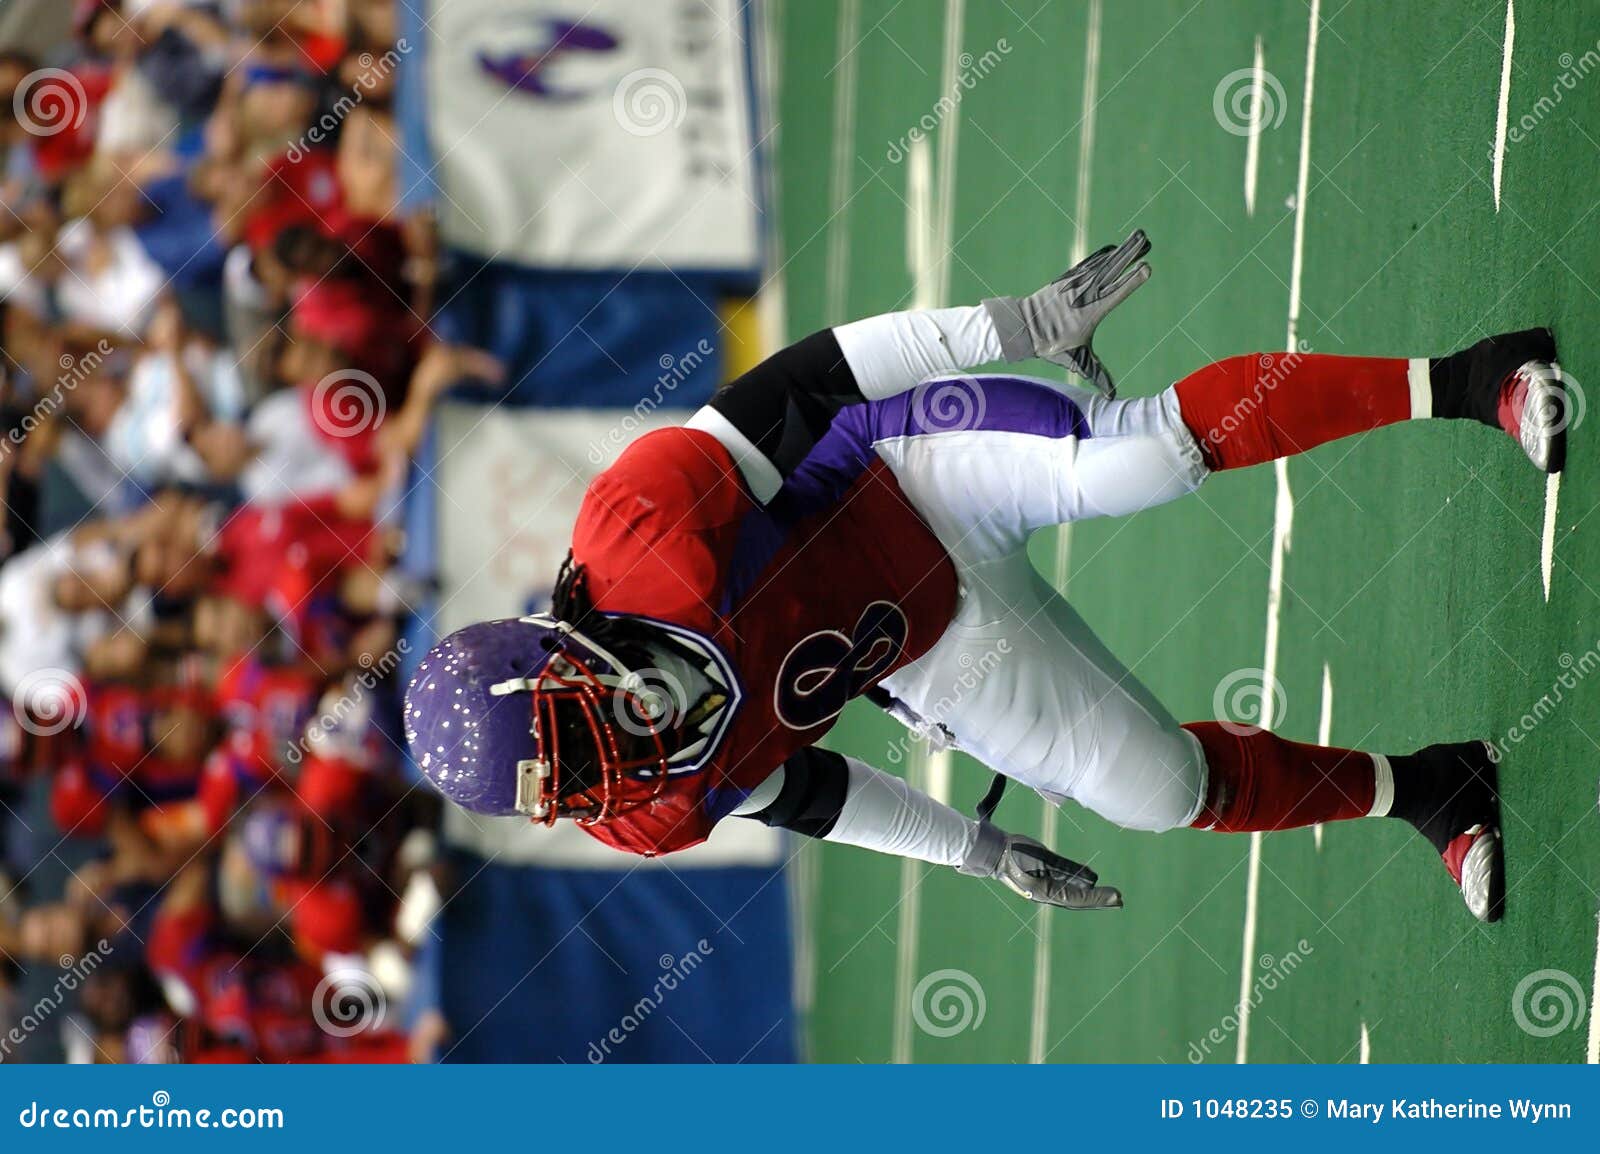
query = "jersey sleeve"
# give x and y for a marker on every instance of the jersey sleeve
(657, 529)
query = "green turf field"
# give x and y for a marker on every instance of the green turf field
(1412, 574)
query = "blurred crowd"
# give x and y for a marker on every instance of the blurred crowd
(216, 369)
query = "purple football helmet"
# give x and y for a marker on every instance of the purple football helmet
(530, 716)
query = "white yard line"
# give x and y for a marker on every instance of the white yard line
(1505, 99)
(836, 296)
(928, 261)
(1039, 1022)
(1039, 1025)
(949, 136)
(1324, 733)
(1366, 1046)
(1593, 1055)
(1282, 522)
(1547, 545)
(907, 928)
(1252, 144)
(1091, 94)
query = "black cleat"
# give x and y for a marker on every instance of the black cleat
(1461, 817)
(1511, 382)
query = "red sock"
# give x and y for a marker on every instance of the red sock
(1250, 409)
(1260, 781)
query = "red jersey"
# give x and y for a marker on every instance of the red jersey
(812, 599)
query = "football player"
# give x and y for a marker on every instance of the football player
(850, 519)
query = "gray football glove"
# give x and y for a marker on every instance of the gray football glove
(1036, 873)
(1057, 323)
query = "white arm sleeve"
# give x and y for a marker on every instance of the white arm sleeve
(884, 813)
(894, 352)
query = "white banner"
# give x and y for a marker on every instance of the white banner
(607, 134)
(509, 485)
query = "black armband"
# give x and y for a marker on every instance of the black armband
(815, 782)
(784, 404)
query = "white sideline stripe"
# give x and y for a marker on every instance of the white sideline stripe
(1039, 1023)
(1505, 100)
(928, 260)
(1252, 144)
(1593, 1055)
(836, 295)
(1366, 1046)
(1282, 522)
(1547, 544)
(1324, 733)
(1421, 390)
